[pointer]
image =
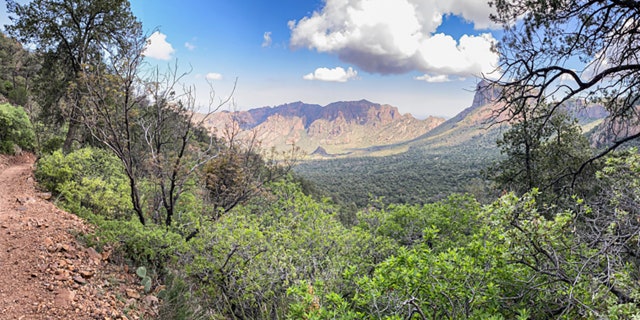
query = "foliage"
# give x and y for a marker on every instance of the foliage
(239, 172)
(151, 246)
(248, 259)
(178, 301)
(461, 270)
(554, 51)
(544, 153)
(15, 129)
(70, 34)
(441, 224)
(86, 181)
(19, 67)
(421, 175)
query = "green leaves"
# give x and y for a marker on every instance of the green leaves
(15, 129)
(88, 180)
(144, 278)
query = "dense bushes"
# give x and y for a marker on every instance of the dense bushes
(284, 254)
(86, 181)
(246, 262)
(15, 129)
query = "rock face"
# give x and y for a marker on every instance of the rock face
(336, 128)
(486, 93)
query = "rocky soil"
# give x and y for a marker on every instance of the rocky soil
(45, 272)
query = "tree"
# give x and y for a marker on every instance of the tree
(69, 34)
(542, 152)
(241, 170)
(148, 123)
(554, 51)
(17, 68)
(15, 129)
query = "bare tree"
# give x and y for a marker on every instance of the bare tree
(148, 123)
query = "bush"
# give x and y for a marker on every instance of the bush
(15, 129)
(87, 181)
(151, 246)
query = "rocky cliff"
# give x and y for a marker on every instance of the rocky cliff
(336, 128)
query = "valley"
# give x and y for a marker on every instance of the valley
(358, 152)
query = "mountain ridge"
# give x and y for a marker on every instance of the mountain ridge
(339, 128)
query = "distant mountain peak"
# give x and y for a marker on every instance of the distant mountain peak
(486, 93)
(331, 130)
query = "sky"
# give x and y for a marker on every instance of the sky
(422, 56)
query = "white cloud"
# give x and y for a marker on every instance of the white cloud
(474, 11)
(333, 75)
(393, 37)
(158, 47)
(190, 46)
(434, 79)
(267, 39)
(212, 76)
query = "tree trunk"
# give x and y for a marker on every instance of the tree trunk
(71, 135)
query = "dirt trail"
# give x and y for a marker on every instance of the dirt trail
(44, 272)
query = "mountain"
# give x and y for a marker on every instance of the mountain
(338, 129)
(447, 159)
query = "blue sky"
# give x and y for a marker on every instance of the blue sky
(422, 56)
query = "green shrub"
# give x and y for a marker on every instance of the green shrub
(86, 181)
(178, 302)
(15, 129)
(151, 246)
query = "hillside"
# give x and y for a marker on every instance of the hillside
(449, 158)
(444, 160)
(339, 129)
(46, 272)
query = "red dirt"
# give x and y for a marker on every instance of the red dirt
(45, 273)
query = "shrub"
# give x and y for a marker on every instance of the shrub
(87, 181)
(15, 129)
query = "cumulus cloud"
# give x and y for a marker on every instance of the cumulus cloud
(337, 74)
(433, 79)
(190, 46)
(266, 42)
(158, 47)
(213, 76)
(394, 37)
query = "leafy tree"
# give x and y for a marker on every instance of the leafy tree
(17, 69)
(245, 262)
(561, 50)
(544, 153)
(241, 170)
(69, 34)
(15, 129)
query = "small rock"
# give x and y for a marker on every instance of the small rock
(79, 280)
(94, 255)
(64, 297)
(151, 300)
(49, 244)
(61, 277)
(106, 255)
(132, 294)
(86, 274)
(44, 195)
